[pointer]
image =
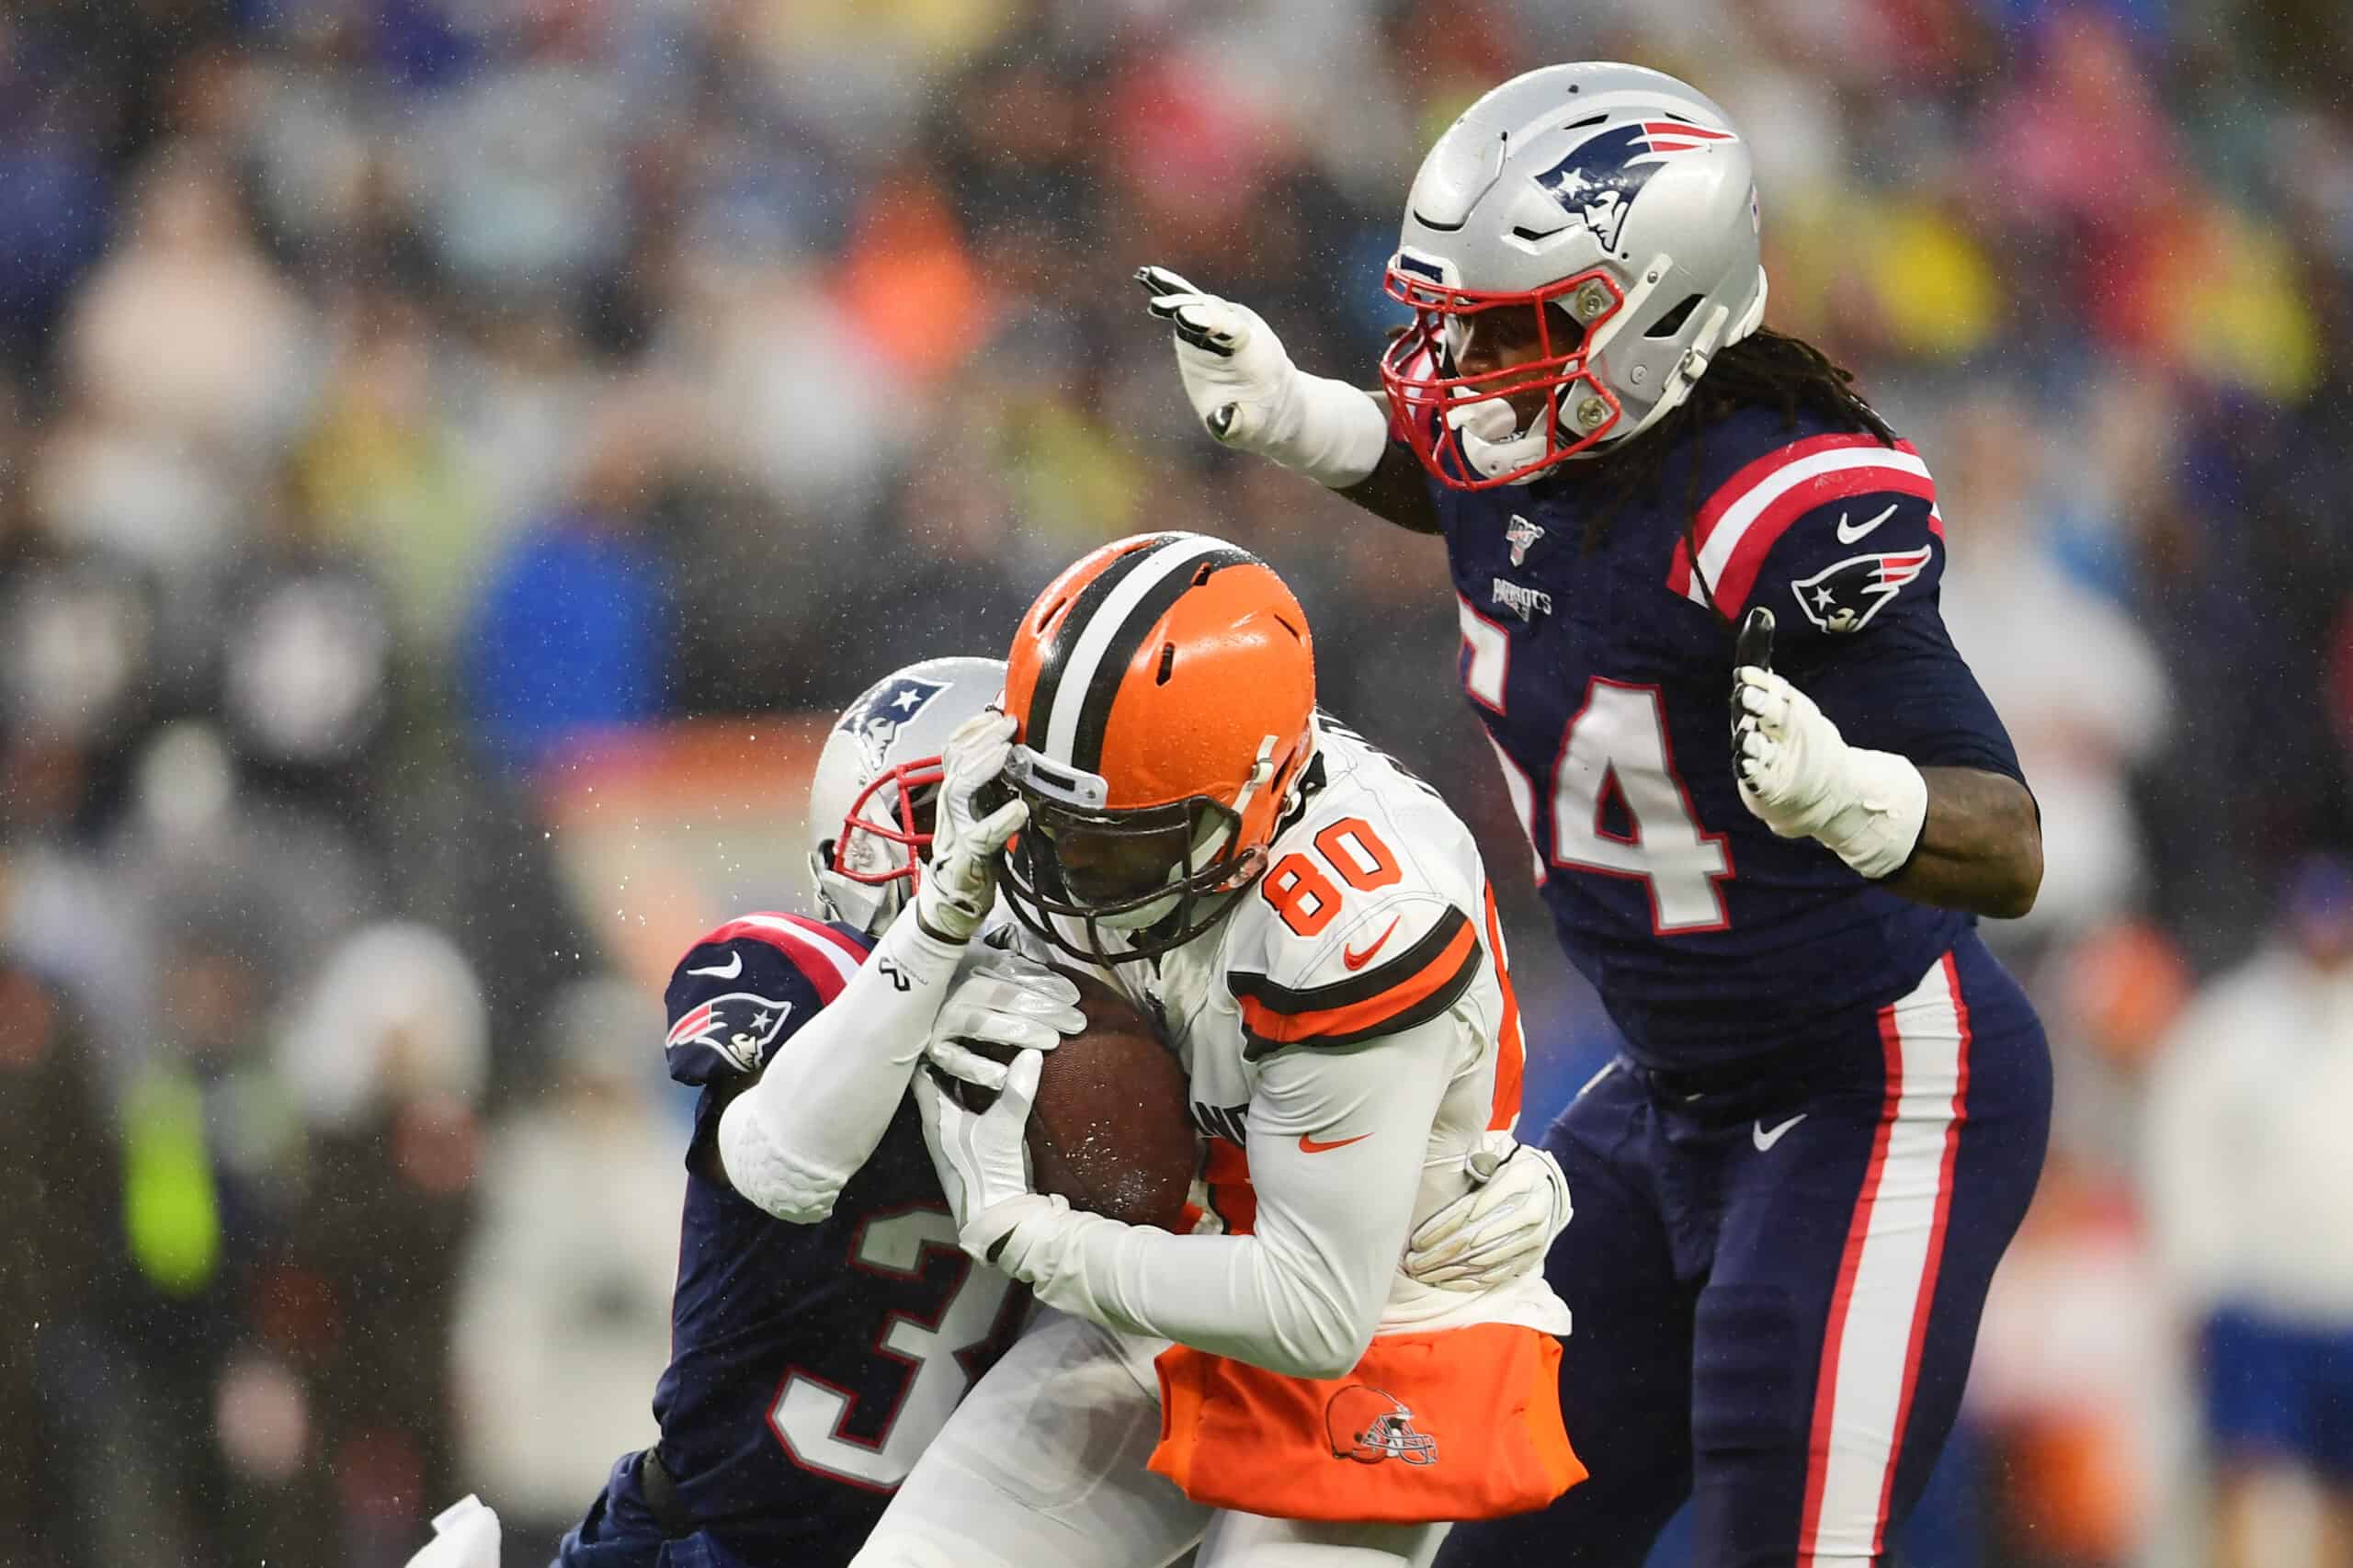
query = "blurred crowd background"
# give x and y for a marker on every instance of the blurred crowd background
(408, 406)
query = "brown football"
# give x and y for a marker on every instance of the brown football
(1112, 1128)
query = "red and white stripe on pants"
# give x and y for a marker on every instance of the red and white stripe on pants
(1887, 1278)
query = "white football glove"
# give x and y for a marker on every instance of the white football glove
(465, 1535)
(1248, 394)
(961, 883)
(1003, 1001)
(982, 1157)
(1499, 1230)
(1801, 779)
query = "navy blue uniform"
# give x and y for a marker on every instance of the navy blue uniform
(1792, 1189)
(809, 1364)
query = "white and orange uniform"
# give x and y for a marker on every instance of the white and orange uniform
(1350, 1034)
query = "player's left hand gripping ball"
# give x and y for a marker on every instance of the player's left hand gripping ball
(1005, 1002)
(982, 1157)
(961, 883)
(1499, 1230)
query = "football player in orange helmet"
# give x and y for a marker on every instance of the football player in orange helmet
(1163, 687)
(1326, 967)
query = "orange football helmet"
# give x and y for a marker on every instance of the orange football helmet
(1163, 685)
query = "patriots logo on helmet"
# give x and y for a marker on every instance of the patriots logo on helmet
(740, 1027)
(1369, 1424)
(1597, 182)
(879, 713)
(1843, 597)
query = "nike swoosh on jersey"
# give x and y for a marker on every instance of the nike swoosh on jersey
(1309, 1146)
(1356, 960)
(1849, 534)
(727, 970)
(1766, 1140)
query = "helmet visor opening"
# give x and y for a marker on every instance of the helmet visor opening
(1130, 872)
(1104, 865)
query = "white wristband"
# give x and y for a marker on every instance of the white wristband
(1888, 807)
(1333, 433)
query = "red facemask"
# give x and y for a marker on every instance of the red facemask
(1417, 370)
(922, 773)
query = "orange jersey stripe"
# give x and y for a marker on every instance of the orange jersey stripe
(1227, 1176)
(1511, 1049)
(1452, 966)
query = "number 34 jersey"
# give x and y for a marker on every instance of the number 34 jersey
(1603, 674)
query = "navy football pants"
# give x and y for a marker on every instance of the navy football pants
(1777, 1286)
(621, 1532)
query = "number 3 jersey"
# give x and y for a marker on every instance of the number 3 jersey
(1602, 670)
(810, 1364)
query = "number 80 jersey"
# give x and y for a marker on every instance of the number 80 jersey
(1603, 675)
(1374, 917)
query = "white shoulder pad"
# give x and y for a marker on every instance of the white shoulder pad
(1365, 923)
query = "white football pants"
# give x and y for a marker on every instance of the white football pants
(1042, 1466)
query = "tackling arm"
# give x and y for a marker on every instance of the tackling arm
(1249, 395)
(1398, 491)
(1337, 1139)
(791, 1140)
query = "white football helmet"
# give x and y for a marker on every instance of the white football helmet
(878, 770)
(1617, 202)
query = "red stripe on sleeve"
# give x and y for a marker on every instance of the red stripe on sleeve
(807, 952)
(848, 945)
(1747, 478)
(1733, 584)
(1729, 494)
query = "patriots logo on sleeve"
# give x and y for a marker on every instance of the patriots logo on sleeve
(740, 1025)
(1843, 597)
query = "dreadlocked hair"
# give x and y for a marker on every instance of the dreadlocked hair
(1766, 369)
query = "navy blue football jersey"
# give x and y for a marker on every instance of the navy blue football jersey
(1603, 675)
(810, 1364)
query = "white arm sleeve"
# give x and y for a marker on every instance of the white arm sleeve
(791, 1140)
(1337, 1140)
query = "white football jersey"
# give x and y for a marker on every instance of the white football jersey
(1374, 917)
